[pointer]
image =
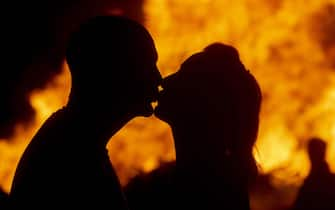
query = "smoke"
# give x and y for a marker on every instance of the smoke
(33, 44)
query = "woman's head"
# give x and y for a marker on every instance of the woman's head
(213, 81)
(213, 92)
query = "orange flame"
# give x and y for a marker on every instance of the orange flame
(276, 43)
(45, 102)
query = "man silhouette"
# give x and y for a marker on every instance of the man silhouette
(318, 189)
(114, 79)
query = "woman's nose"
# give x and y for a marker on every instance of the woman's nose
(168, 80)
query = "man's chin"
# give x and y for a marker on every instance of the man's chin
(147, 114)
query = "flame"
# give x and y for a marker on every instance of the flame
(45, 102)
(289, 47)
(277, 43)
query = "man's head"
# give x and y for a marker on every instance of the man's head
(316, 150)
(113, 66)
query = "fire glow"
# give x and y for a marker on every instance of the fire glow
(288, 45)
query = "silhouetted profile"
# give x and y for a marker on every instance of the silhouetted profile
(212, 105)
(318, 189)
(114, 79)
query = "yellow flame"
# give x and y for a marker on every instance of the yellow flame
(276, 43)
(54, 96)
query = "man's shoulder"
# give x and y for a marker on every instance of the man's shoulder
(46, 136)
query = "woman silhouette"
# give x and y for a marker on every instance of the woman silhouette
(212, 105)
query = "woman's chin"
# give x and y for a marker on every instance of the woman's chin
(148, 110)
(157, 112)
(161, 113)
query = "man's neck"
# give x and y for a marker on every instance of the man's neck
(97, 127)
